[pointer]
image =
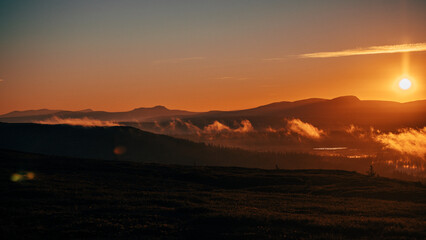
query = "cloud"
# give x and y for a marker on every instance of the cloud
(355, 130)
(215, 127)
(409, 141)
(304, 129)
(218, 127)
(269, 129)
(406, 141)
(415, 47)
(178, 125)
(188, 125)
(87, 122)
(351, 129)
(360, 132)
(178, 60)
(245, 127)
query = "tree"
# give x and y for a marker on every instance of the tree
(371, 171)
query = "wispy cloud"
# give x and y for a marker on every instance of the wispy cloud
(415, 47)
(216, 126)
(304, 129)
(180, 126)
(178, 60)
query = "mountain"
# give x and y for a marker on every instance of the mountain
(86, 110)
(138, 114)
(262, 110)
(327, 114)
(29, 113)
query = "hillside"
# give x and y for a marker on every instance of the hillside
(131, 144)
(68, 198)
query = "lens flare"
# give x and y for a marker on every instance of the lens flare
(120, 150)
(22, 176)
(16, 177)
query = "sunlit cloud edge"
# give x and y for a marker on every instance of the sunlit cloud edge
(414, 47)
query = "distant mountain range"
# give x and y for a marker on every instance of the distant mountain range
(138, 114)
(324, 113)
(328, 114)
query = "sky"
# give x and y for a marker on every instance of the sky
(205, 55)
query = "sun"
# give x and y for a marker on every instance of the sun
(405, 84)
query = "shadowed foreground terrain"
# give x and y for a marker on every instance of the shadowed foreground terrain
(57, 197)
(146, 147)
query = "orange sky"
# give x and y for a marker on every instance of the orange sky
(203, 55)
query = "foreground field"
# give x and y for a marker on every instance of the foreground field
(53, 197)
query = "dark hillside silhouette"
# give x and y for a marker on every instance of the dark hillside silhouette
(69, 198)
(127, 143)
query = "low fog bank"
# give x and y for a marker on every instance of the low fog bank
(398, 152)
(85, 121)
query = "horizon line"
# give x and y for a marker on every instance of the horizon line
(203, 111)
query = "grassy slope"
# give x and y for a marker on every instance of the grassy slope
(75, 198)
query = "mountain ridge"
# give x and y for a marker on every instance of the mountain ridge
(137, 114)
(337, 112)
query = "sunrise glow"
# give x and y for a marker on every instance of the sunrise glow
(221, 119)
(206, 56)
